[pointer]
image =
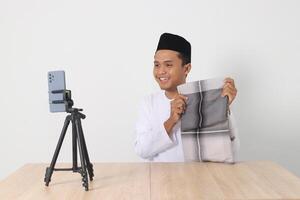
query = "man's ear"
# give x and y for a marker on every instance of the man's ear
(187, 69)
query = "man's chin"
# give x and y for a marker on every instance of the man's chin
(166, 87)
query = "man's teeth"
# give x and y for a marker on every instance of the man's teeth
(163, 79)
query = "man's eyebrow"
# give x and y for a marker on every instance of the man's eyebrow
(165, 61)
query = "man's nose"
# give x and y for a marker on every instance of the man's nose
(161, 70)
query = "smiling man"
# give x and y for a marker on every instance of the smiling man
(158, 135)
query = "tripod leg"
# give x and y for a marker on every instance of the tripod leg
(74, 146)
(82, 157)
(49, 170)
(88, 163)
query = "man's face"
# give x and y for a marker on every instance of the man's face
(168, 70)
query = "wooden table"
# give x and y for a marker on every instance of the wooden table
(245, 180)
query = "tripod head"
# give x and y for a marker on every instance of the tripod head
(65, 100)
(68, 102)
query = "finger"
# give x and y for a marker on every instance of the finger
(181, 106)
(177, 111)
(180, 111)
(228, 92)
(229, 86)
(180, 96)
(230, 96)
(179, 102)
(229, 80)
(229, 89)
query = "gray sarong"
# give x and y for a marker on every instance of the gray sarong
(206, 113)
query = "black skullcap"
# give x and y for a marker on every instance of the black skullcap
(173, 42)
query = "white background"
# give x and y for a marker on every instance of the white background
(107, 48)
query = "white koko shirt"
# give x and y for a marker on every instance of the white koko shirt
(154, 144)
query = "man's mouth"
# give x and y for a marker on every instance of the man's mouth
(163, 79)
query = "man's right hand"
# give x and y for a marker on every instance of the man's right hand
(178, 106)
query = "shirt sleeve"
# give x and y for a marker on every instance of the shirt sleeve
(151, 138)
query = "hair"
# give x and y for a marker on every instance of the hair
(185, 59)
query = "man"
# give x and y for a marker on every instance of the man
(158, 135)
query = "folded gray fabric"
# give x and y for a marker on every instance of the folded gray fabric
(206, 113)
(207, 110)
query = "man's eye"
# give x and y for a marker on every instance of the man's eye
(169, 65)
(156, 65)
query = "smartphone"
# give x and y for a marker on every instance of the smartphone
(56, 91)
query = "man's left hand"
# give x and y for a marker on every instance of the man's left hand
(229, 89)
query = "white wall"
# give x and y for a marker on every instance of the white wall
(106, 49)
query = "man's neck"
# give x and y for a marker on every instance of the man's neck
(171, 94)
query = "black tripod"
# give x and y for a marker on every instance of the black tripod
(86, 167)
